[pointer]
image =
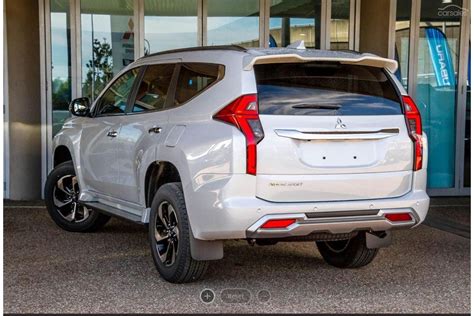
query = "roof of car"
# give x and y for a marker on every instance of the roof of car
(262, 55)
(236, 48)
(264, 51)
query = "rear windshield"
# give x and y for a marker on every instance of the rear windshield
(325, 89)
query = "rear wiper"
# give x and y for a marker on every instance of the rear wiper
(316, 106)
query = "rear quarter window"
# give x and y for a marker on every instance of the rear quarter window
(194, 78)
(317, 88)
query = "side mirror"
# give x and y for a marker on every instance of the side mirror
(80, 107)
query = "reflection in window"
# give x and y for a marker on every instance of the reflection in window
(324, 89)
(61, 62)
(438, 53)
(402, 41)
(292, 21)
(153, 89)
(233, 22)
(107, 42)
(467, 135)
(170, 24)
(340, 12)
(115, 99)
(194, 78)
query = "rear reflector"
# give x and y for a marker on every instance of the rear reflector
(398, 217)
(278, 223)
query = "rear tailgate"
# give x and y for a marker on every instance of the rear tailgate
(332, 132)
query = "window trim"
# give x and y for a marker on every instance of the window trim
(94, 109)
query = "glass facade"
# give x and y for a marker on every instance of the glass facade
(233, 22)
(107, 42)
(402, 39)
(292, 21)
(436, 89)
(60, 62)
(467, 134)
(107, 37)
(340, 13)
(170, 24)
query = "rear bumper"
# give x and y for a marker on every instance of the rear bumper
(230, 210)
(333, 222)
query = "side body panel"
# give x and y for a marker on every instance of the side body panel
(137, 147)
(98, 154)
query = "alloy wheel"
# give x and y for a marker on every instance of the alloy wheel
(167, 233)
(66, 200)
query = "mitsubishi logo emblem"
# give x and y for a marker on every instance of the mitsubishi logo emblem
(339, 124)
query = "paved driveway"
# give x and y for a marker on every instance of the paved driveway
(49, 270)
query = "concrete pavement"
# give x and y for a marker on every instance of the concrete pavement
(48, 270)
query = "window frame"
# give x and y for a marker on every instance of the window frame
(94, 109)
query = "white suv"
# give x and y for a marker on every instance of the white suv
(214, 143)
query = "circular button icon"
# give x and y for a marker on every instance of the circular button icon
(263, 296)
(207, 296)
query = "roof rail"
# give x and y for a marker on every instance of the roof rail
(236, 48)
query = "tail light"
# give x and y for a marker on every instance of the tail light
(413, 119)
(243, 114)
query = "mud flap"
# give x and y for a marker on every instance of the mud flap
(378, 240)
(202, 250)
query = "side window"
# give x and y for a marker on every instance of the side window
(114, 100)
(194, 78)
(153, 89)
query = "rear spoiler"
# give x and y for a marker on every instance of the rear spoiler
(364, 60)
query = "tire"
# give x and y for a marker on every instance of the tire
(61, 186)
(350, 253)
(169, 235)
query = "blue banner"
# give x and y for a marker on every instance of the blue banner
(440, 57)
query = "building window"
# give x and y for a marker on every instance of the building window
(170, 24)
(402, 39)
(60, 62)
(291, 21)
(107, 42)
(233, 22)
(436, 86)
(340, 13)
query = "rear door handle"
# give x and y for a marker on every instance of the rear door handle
(155, 130)
(112, 134)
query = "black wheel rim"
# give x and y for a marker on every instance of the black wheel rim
(167, 233)
(338, 246)
(65, 200)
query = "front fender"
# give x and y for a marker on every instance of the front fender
(70, 137)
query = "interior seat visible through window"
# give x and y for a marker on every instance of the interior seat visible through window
(153, 89)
